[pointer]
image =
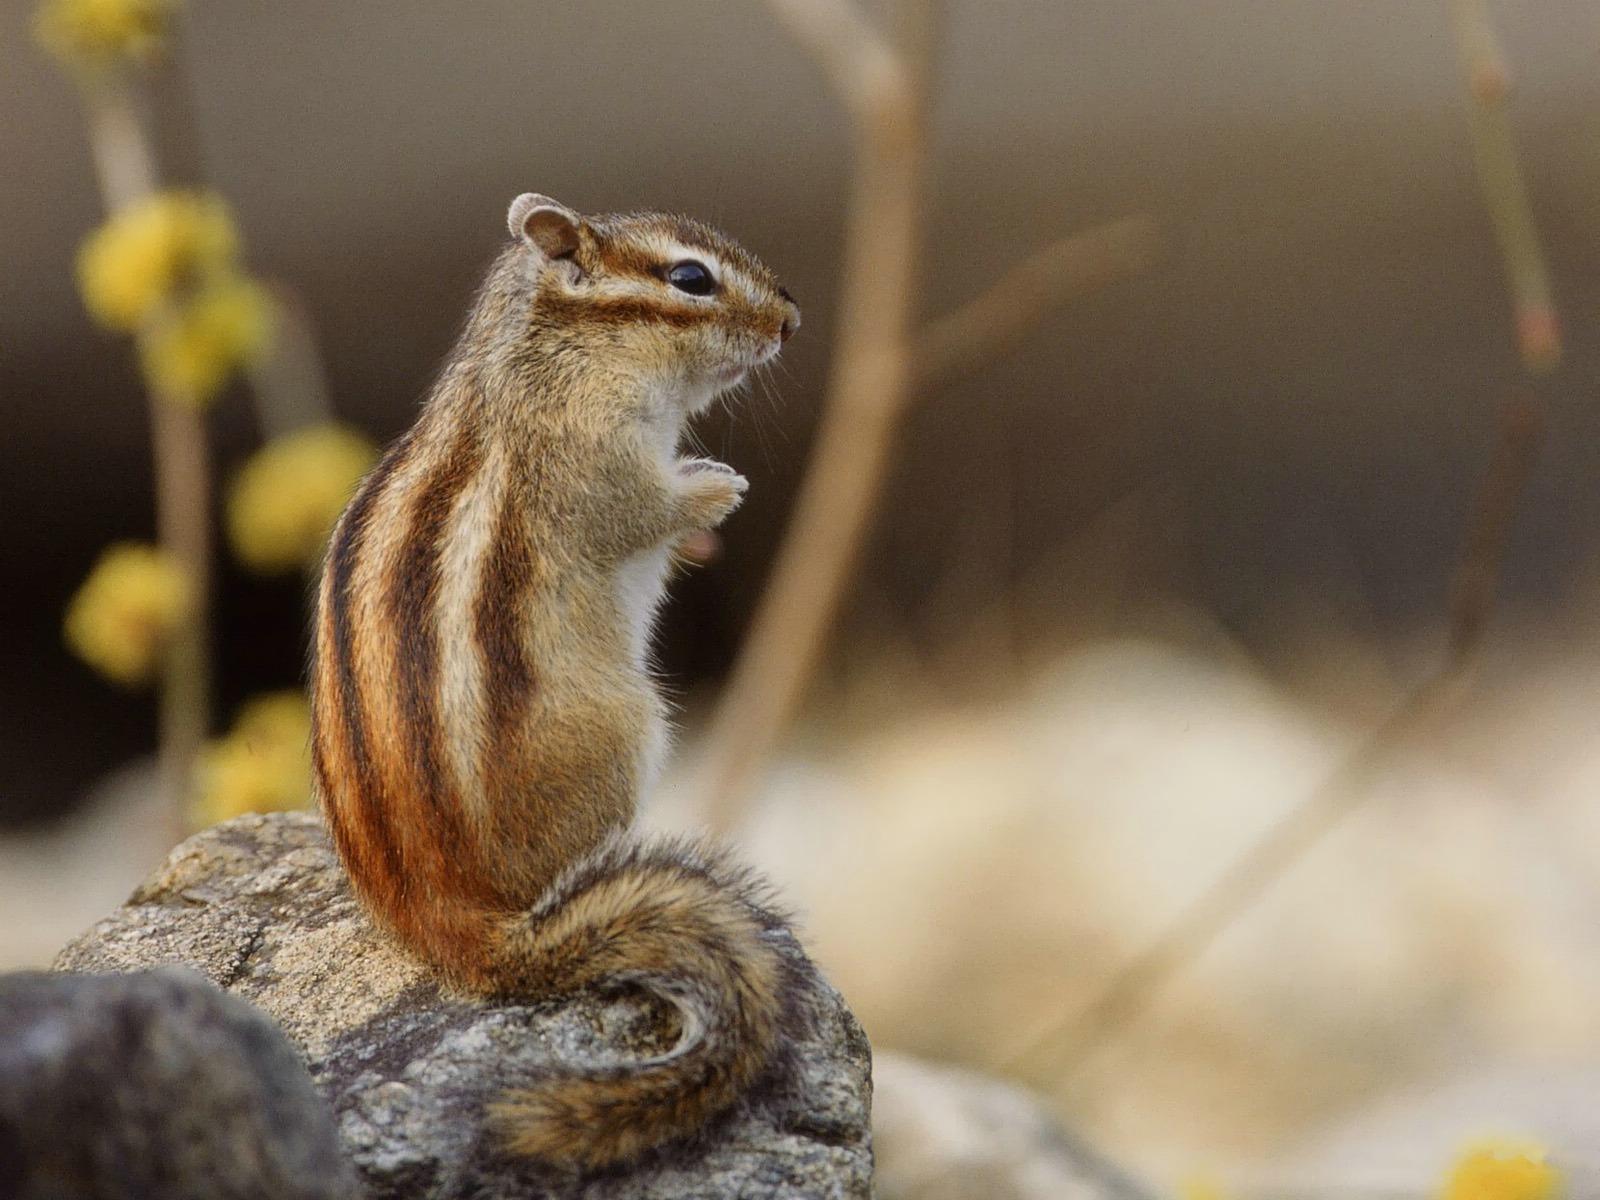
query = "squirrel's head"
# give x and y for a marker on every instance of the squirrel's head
(666, 298)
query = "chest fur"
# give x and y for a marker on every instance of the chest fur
(641, 583)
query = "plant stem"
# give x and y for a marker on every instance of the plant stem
(126, 170)
(1068, 1045)
(869, 388)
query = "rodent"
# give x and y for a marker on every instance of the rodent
(484, 716)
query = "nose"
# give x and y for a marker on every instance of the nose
(791, 322)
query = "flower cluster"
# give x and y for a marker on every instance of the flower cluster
(262, 765)
(140, 257)
(283, 503)
(123, 614)
(167, 268)
(1200, 1187)
(1486, 1170)
(1502, 1171)
(224, 326)
(95, 34)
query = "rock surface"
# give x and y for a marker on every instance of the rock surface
(946, 1134)
(260, 906)
(154, 1085)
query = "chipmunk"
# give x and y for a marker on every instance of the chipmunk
(484, 717)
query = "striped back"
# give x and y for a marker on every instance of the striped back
(415, 673)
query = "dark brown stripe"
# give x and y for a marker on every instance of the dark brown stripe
(366, 788)
(628, 260)
(332, 811)
(497, 623)
(326, 720)
(413, 601)
(560, 310)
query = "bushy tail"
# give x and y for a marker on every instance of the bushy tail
(682, 922)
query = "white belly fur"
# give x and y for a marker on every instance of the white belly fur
(641, 582)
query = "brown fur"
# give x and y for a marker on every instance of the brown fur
(677, 920)
(483, 719)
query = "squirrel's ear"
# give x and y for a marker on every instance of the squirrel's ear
(549, 227)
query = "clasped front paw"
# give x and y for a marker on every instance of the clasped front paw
(689, 467)
(710, 491)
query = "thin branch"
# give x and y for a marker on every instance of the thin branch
(870, 385)
(126, 170)
(877, 370)
(1472, 592)
(290, 384)
(994, 322)
(183, 528)
(124, 167)
(860, 64)
(1067, 1047)
(1505, 194)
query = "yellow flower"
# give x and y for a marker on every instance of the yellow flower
(121, 617)
(262, 765)
(1502, 1171)
(224, 326)
(137, 258)
(1200, 1187)
(284, 502)
(94, 33)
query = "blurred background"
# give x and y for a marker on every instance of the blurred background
(1137, 589)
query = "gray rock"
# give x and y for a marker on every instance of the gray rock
(154, 1085)
(261, 906)
(943, 1133)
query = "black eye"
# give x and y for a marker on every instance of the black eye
(692, 277)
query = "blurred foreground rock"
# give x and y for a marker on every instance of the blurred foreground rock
(946, 1134)
(155, 1084)
(260, 906)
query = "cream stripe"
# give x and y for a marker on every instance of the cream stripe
(466, 542)
(374, 644)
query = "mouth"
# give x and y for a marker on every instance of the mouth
(732, 375)
(735, 372)
(715, 385)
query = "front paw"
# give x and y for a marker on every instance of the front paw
(691, 467)
(710, 490)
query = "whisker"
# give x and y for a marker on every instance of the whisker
(769, 390)
(762, 426)
(696, 442)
